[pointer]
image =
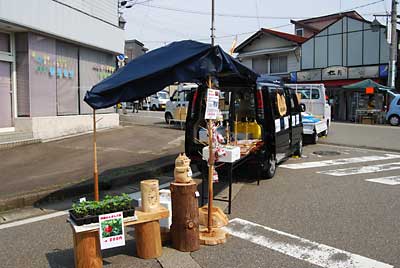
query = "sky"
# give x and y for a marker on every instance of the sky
(159, 22)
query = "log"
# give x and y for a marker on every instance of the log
(150, 195)
(148, 240)
(87, 250)
(185, 217)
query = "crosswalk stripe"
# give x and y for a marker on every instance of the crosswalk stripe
(342, 161)
(391, 180)
(361, 170)
(299, 248)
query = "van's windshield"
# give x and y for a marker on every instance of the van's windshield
(162, 95)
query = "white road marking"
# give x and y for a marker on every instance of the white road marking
(361, 170)
(34, 219)
(391, 180)
(300, 248)
(343, 161)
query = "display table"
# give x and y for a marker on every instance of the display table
(147, 236)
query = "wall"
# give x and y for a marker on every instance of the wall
(102, 9)
(55, 18)
(348, 42)
(64, 125)
(267, 41)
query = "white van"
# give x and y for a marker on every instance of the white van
(156, 101)
(176, 107)
(314, 102)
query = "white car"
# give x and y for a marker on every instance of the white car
(176, 107)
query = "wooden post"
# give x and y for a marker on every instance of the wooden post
(95, 172)
(150, 195)
(185, 217)
(210, 175)
(148, 240)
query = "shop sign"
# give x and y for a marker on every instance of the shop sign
(111, 230)
(311, 75)
(212, 104)
(103, 71)
(364, 72)
(334, 73)
(383, 70)
(46, 64)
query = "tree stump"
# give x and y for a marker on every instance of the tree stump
(148, 240)
(87, 250)
(185, 217)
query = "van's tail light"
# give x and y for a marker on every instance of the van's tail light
(196, 92)
(260, 104)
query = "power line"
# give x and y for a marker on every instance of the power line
(218, 14)
(365, 5)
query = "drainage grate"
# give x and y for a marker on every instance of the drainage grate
(325, 153)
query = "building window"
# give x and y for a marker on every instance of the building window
(5, 43)
(279, 64)
(300, 31)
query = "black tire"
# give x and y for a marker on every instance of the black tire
(168, 118)
(314, 138)
(269, 167)
(154, 107)
(394, 120)
(299, 149)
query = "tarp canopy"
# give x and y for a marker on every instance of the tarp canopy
(367, 83)
(183, 61)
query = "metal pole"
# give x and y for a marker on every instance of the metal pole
(212, 22)
(95, 172)
(393, 46)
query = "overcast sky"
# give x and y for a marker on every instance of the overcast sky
(157, 22)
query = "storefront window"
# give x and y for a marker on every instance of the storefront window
(5, 43)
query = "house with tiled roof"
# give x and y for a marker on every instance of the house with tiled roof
(271, 52)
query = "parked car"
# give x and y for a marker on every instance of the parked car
(314, 102)
(393, 115)
(176, 106)
(278, 127)
(157, 101)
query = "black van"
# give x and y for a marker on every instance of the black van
(280, 129)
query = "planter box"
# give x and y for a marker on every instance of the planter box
(95, 218)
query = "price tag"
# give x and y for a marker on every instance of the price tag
(197, 194)
(82, 199)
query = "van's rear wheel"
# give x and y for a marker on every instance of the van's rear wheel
(314, 137)
(269, 167)
(394, 120)
(168, 118)
(299, 149)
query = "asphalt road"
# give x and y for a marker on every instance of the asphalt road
(345, 212)
(318, 211)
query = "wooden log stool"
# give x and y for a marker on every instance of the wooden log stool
(87, 251)
(185, 217)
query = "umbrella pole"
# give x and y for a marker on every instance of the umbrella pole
(95, 172)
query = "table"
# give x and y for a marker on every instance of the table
(229, 168)
(147, 236)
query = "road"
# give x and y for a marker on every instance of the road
(334, 207)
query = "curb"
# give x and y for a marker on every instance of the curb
(106, 182)
(12, 144)
(361, 147)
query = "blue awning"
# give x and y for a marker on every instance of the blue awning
(183, 61)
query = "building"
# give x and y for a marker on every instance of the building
(342, 49)
(51, 53)
(134, 49)
(271, 52)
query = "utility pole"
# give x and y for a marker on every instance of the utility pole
(212, 22)
(393, 46)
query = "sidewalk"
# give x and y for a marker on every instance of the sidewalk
(363, 136)
(64, 168)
